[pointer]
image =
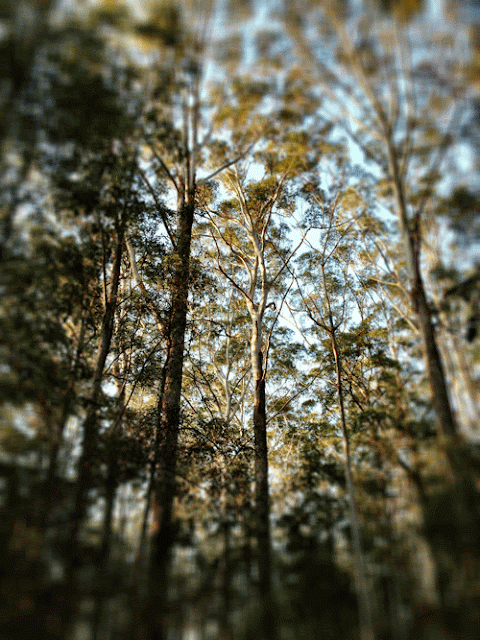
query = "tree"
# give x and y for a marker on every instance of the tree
(407, 148)
(328, 318)
(248, 251)
(175, 155)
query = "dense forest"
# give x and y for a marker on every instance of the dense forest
(239, 320)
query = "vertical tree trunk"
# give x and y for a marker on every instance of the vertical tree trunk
(225, 561)
(169, 422)
(261, 476)
(367, 631)
(411, 239)
(142, 555)
(262, 503)
(365, 605)
(91, 419)
(102, 568)
(466, 503)
(89, 445)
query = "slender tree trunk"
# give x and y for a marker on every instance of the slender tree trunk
(89, 445)
(225, 561)
(466, 387)
(365, 606)
(411, 239)
(154, 456)
(102, 568)
(169, 422)
(141, 616)
(112, 481)
(90, 435)
(262, 501)
(435, 371)
(91, 419)
(367, 631)
(466, 508)
(261, 478)
(226, 571)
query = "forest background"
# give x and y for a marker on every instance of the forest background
(239, 323)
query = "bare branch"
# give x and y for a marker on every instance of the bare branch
(165, 168)
(227, 164)
(159, 206)
(148, 299)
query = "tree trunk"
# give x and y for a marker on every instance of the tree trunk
(261, 478)
(465, 514)
(91, 419)
(411, 239)
(365, 606)
(225, 568)
(102, 569)
(436, 375)
(169, 423)
(367, 631)
(262, 503)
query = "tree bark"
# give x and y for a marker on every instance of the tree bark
(261, 477)
(365, 606)
(91, 419)
(466, 511)
(367, 630)
(411, 239)
(262, 501)
(169, 423)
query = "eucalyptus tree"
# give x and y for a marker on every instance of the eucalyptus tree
(454, 286)
(360, 415)
(401, 109)
(218, 394)
(247, 223)
(327, 314)
(164, 130)
(252, 217)
(178, 129)
(391, 122)
(69, 279)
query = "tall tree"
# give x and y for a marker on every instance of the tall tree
(249, 251)
(329, 318)
(373, 83)
(175, 152)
